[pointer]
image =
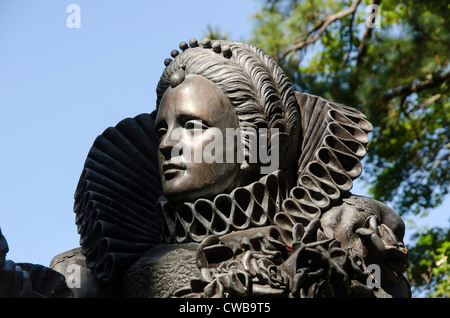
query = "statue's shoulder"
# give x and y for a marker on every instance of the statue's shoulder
(82, 280)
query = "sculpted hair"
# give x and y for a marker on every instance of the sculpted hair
(256, 86)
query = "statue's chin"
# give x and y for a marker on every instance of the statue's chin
(183, 189)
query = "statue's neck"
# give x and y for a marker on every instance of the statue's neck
(254, 205)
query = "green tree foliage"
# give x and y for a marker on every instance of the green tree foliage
(397, 74)
(430, 270)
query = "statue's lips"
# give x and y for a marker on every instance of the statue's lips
(170, 170)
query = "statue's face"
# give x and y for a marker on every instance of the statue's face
(191, 117)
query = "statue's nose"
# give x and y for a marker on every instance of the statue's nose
(169, 145)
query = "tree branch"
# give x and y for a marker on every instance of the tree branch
(321, 27)
(350, 41)
(415, 87)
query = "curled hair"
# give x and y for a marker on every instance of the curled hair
(255, 85)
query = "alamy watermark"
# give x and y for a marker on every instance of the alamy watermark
(374, 279)
(228, 148)
(374, 18)
(73, 280)
(73, 21)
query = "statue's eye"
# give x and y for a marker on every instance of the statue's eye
(195, 124)
(161, 132)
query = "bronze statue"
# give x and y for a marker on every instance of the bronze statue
(235, 186)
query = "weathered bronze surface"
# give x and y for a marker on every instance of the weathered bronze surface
(156, 222)
(194, 106)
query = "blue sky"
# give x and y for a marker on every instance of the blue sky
(61, 87)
